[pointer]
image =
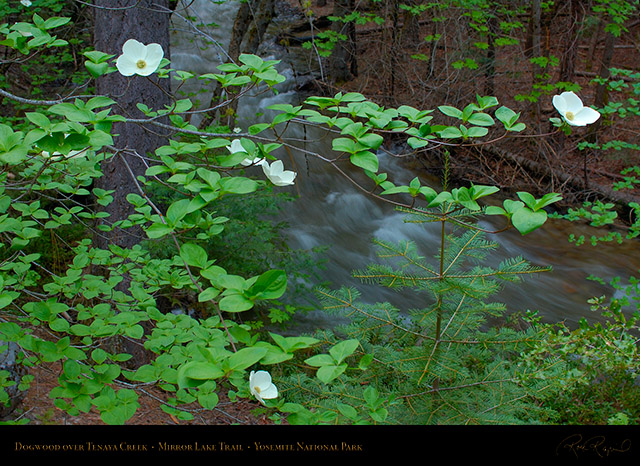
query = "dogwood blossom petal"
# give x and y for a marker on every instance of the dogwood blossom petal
(573, 103)
(236, 146)
(586, 116)
(261, 387)
(560, 104)
(126, 65)
(139, 59)
(270, 392)
(277, 174)
(570, 106)
(134, 48)
(154, 56)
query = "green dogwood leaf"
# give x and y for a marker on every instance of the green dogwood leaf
(481, 119)
(274, 354)
(235, 303)
(158, 230)
(343, 349)
(451, 132)
(194, 255)
(525, 220)
(96, 69)
(319, 360)
(195, 373)
(450, 111)
(328, 373)
(243, 358)
(290, 344)
(366, 160)
(270, 285)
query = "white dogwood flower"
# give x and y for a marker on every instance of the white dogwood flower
(277, 174)
(236, 147)
(26, 3)
(573, 111)
(261, 387)
(139, 59)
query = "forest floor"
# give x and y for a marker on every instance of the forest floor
(39, 408)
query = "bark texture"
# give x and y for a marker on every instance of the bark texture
(116, 21)
(343, 64)
(252, 21)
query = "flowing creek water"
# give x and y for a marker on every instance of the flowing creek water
(332, 212)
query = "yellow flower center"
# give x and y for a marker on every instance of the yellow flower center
(569, 116)
(141, 64)
(257, 389)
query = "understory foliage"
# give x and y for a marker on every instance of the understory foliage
(403, 373)
(65, 300)
(601, 368)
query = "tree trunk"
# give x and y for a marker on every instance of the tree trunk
(532, 47)
(343, 65)
(490, 73)
(600, 100)
(410, 34)
(262, 14)
(433, 46)
(568, 64)
(116, 21)
(394, 49)
(601, 97)
(594, 45)
(250, 25)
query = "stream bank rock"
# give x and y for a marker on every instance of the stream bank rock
(10, 371)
